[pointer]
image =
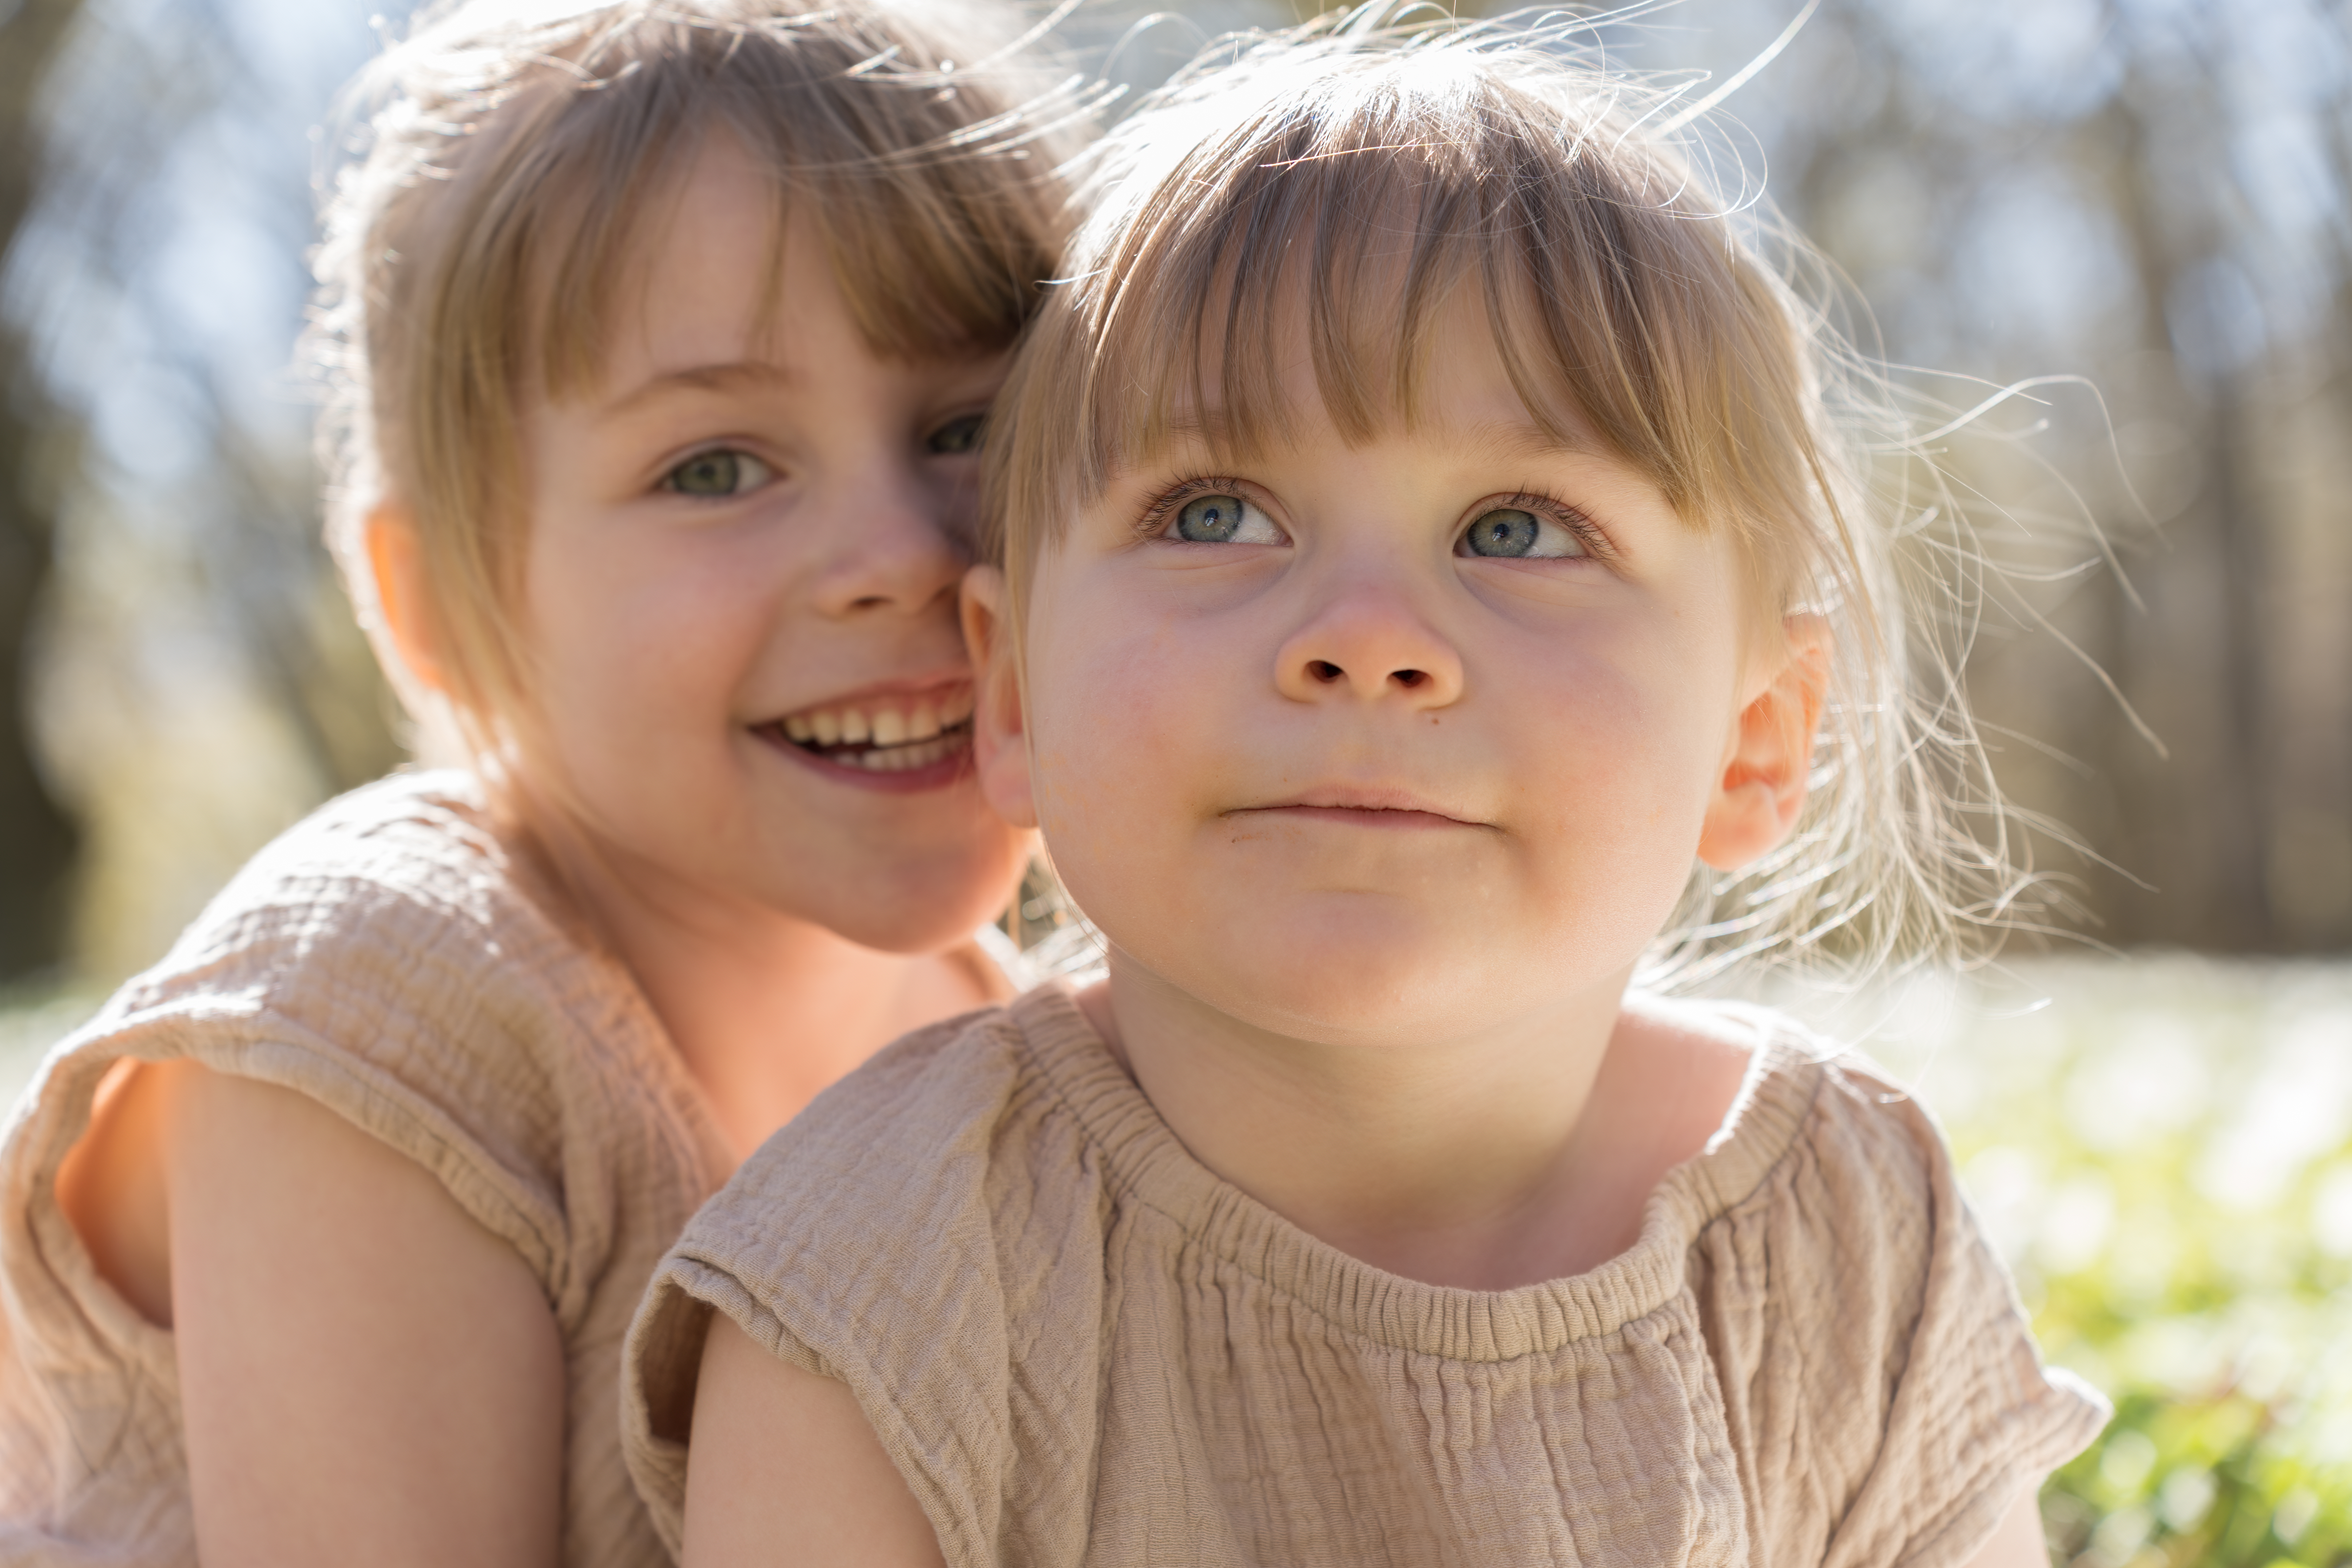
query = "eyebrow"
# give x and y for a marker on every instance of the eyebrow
(738, 375)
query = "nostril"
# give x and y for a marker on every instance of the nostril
(1409, 677)
(1324, 670)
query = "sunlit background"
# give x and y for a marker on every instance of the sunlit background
(2143, 201)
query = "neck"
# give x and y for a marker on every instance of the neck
(1460, 1162)
(764, 1009)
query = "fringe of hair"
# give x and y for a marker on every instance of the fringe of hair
(1676, 317)
(502, 167)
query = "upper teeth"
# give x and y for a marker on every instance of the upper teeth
(896, 725)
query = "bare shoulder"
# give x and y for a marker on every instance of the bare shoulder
(349, 1339)
(172, 1129)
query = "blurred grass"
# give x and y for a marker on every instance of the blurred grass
(2162, 1149)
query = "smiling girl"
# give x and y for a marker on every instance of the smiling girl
(1428, 562)
(659, 337)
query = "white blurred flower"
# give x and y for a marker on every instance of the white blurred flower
(2294, 1514)
(2151, 1081)
(2076, 1224)
(2187, 1494)
(2126, 1461)
(2004, 1183)
(2331, 1213)
(2298, 1108)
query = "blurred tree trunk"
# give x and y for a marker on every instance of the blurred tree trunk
(2197, 825)
(38, 840)
(2154, 197)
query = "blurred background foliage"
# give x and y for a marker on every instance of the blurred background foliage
(179, 665)
(2147, 196)
(2161, 1147)
(2143, 199)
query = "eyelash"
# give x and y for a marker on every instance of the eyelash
(1588, 532)
(1153, 521)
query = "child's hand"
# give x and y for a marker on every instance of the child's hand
(785, 1468)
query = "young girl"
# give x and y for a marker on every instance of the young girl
(659, 335)
(1422, 542)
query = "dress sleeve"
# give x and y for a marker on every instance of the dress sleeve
(1971, 1418)
(663, 1362)
(377, 961)
(856, 1244)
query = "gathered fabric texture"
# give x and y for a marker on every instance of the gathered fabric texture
(387, 959)
(1080, 1346)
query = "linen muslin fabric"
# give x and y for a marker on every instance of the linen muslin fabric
(395, 959)
(1079, 1346)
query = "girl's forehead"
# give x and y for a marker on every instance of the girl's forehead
(718, 218)
(1495, 431)
(1237, 394)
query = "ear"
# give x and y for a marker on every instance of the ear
(396, 563)
(1000, 736)
(1766, 761)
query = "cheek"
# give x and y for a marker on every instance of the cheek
(617, 625)
(1651, 761)
(1620, 767)
(1124, 712)
(636, 658)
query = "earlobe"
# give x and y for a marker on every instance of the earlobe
(396, 566)
(1000, 740)
(1770, 757)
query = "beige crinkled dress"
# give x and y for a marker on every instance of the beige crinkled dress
(1080, 1346)
(385, 958)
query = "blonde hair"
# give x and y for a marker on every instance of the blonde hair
(1354, 182)
(506, 158)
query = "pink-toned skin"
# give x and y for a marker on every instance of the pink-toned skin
(369, 1377)
(1377, 830)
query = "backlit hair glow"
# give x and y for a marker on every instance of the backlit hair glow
(1354, 186)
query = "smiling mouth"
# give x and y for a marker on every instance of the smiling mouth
(888, 734)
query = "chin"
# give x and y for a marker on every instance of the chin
(1365, 991)
(922, 905)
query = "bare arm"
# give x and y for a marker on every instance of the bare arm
(2017, 1542)
(369, 1377)
(785, 1469)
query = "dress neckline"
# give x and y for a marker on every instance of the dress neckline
(1146, 1164)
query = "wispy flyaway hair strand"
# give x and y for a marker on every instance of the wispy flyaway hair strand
(1353, 185)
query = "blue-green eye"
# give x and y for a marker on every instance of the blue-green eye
(1224, 519)
(1508, 531)
(957, 436)
(718, 475)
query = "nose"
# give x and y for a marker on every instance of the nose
(892, 541)
(1370, 643)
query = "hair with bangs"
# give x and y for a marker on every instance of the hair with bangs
(1351, 185)
(508, 163)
